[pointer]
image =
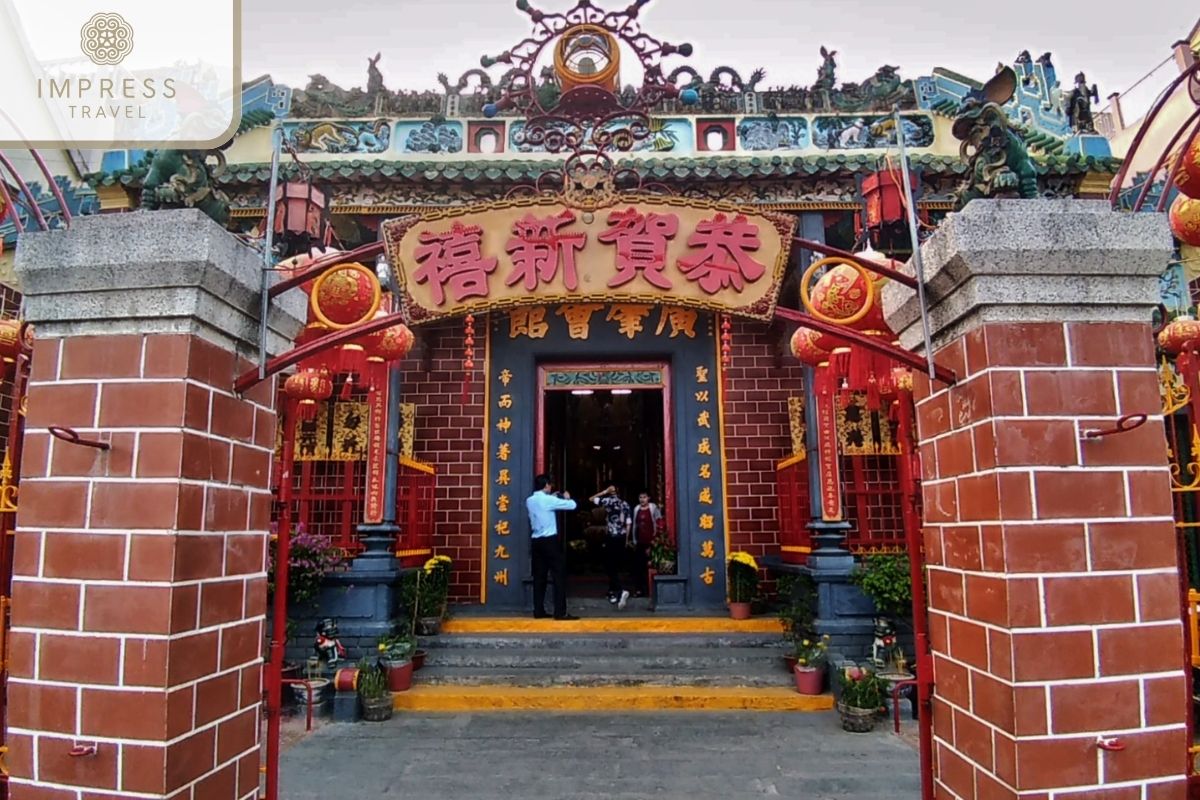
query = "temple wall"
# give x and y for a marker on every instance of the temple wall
(449, 435)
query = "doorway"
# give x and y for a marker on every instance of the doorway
(607, 432)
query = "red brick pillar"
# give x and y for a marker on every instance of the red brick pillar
(139, 588)
(1052, 573)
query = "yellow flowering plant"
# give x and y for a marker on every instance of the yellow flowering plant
(812, 652)
(433, 585)
(743, 577)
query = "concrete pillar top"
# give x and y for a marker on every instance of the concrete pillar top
(1033, 261)
(151, 272)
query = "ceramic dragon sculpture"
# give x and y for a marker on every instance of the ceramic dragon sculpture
(998, 163)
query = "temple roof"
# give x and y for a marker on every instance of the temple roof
(692, 167)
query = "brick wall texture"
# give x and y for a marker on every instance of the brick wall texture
(139, 583)
(1054, 590)
(449, 435)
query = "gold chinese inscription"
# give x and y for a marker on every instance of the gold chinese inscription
(708, 576)
(708, 549)
(529, 322)
(501, 528)
(504, 478)
(501, 552)
(579, 318)
(796, 424)
(502, 503)
(501, 577)
(629, 318)
(682, 321)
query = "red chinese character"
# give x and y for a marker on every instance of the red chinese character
(537, 249)
(641, 241)
(725, 260)
(453, 258)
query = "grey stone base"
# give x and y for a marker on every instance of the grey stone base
(670, 591)
(345, 707)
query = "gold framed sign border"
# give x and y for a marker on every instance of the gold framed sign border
(394, 231)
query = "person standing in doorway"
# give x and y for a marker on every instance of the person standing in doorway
(620, 529)
(548, 556)
(646, 518)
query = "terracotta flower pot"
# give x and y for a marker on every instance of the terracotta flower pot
(809, 680)
(376, 709)
(399, 675)
(739, 610)
(418, 660)
(857, 720)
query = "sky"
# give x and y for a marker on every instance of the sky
(292, 39)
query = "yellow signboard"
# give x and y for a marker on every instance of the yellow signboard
(642, 249)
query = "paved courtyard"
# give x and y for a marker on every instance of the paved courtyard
(586, 756)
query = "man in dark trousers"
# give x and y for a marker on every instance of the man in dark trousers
(547, 549)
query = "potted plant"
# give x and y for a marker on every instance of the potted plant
(797, 595)
(862, 697)
(663, 556)
(886, 578)
(395, 654)
(743, 583)
(373, 693)
(433, 586)
(810, 665)
(310, 559)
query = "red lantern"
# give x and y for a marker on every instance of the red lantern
(310, 387)
(806, 347)
(1177, 333)
(1188, 177)
(884, 197)
(382, 347)
(346, 295)
(10, 340)
(1185, 220)
(300, 211)
(842, 295)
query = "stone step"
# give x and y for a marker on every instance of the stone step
(613, 624)
(450, 698)
(522, 676)
(601, 641)
(615, 660)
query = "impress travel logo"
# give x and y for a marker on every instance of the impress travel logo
(106, 39)
(130, 73)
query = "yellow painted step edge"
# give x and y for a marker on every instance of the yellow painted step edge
(611, 625)
(450, 698)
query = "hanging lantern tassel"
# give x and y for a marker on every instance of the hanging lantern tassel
(726, 342)
(468, 355)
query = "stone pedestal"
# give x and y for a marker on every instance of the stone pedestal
(1053, 583)
(139, 588)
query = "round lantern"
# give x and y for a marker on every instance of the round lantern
(845, 295)
(310, 387)
(806, 347)
(396, 343)
(10, 340)
(1185, 220)
(1177, 333)
(381, 347)
(1188, 177)
(345, 296)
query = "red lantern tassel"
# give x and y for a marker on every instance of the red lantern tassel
(348, 387)
(351, 358)
(839, 362)
(306, 410)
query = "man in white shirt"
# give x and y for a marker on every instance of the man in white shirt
(548, 555)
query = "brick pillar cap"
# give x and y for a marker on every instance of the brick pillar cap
(1033, 261)
(151, 272)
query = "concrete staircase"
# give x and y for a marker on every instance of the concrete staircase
(658, 664)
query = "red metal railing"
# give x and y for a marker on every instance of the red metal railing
(873, 501)
(791, 478)
(873, 496)
(415, 491)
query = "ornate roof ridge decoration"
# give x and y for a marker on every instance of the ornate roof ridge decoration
(670, 168)
(722, 91)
